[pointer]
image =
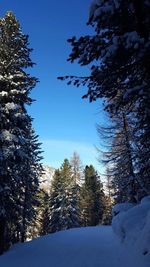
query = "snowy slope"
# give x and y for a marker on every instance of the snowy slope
(132, 225)
(82, 247)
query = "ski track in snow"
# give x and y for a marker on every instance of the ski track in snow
(81, 247)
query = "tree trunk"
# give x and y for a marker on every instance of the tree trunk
(23, 231)
(132, 193)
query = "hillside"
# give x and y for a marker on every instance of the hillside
(45, 179)
(82, 247)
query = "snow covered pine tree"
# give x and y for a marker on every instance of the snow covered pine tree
(64, 213)
(19, 149)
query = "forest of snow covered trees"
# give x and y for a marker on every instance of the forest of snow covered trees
(118, 57)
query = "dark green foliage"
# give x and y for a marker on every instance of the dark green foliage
(39, 225)
(56, 200)
(107, 211)
(92, 198)
(45, 215)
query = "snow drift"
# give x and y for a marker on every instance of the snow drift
(132, 224)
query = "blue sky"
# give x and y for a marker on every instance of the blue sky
(64, 122)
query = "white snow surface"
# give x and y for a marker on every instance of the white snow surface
(7, 136)
(132, 225)
(12, 106)
(80, 247)
(99, 7)
(121, 207)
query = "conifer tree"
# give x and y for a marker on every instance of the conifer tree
(63, 200)
(71, 210)
(120, 158)
(19, 149)
(56, 197)
(107, 211)
(92, 198)
(77, 168)
(109, 197)
(39, 225)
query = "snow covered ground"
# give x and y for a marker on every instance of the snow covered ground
(82, 247)
(132, 225)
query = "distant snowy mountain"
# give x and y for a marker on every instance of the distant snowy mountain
(46, 178)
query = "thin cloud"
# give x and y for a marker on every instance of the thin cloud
(56, 150)
(69, 145)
